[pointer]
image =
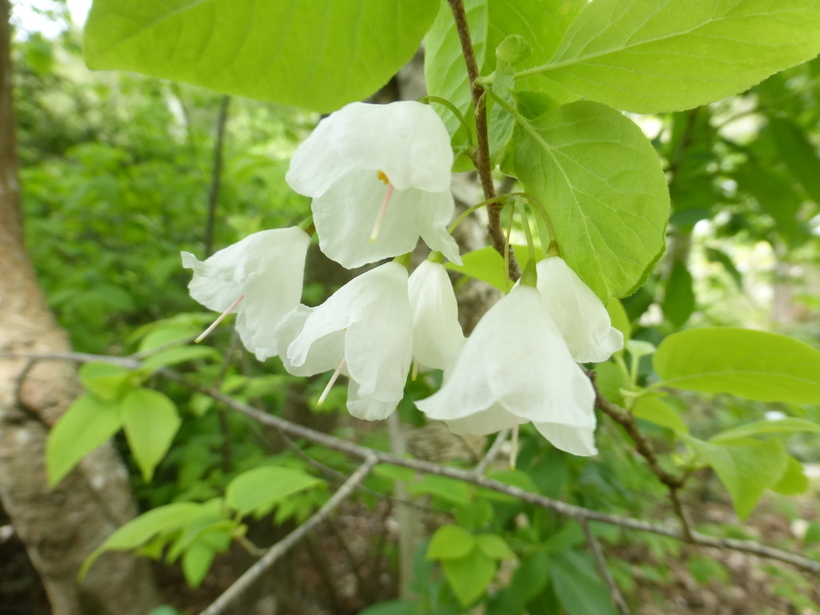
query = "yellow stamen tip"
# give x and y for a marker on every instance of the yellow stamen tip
(383, 177)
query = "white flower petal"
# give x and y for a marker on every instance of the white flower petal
(325, 354)
(316, 165)
(267, 268)
(346, 214)
(482, 423)
(437, 335)
(406, 140)
(578, 313)
(372, 313)
(517, 358)
(572, 439)
(368, 408)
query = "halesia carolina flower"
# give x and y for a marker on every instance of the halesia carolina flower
(437, 335)
(515, 367)
(364, 331)
(259, 277)
(577, 312)
(379, 176)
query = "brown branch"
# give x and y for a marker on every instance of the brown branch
(482, 154)
(578, 513)
(612, 586)
(627, 420)
(281, 547)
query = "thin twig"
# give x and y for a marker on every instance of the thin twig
(281, 547)
(492, 452)
(612, 586)
(673, 483)
(482, 154)
(216, 174)
(578, 513)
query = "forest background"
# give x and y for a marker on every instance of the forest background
(120, 172)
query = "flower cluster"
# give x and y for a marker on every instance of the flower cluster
(379, 178)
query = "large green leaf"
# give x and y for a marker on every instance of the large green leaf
(319, 54)
(578, 586)
(787, 425)
(541, 22)
(652, 407)
(89, 422)
(151, 421)
(470, 575)
(794, 480)
(648, 56)
(747, 467)
(261, 487)
(751, 364)
(600, 180)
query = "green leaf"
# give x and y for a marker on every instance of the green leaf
(494, 546)
(261, 487)
(679, 299)
(151, 421)
(652, 408)
(450, 542)
(139, 531)
(611, 378)
(393, 607)
(319, 54)
(794, 480)
(775, 196)
(180, 354)
(469, 576)
(704, 569)
(649, 56)
(717, 256)
(751, 364)
(87, 423)
(448, 489)
(812, 534)
(196, 562)
(617, 315)
(747, 467)
(486, 264)
(600, 181)
(578, 586)
(798, 154)
(786, 425)
(106, 381)
(165, 335)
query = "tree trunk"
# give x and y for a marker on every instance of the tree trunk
(59, 526)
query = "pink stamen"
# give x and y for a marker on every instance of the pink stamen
(331, 382)
(219, 320)
(374, 235)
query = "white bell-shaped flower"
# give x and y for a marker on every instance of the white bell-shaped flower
(364, 331)
(516, 366)
(437, 335)
(577, 312)
(379, 176)
(260, 277)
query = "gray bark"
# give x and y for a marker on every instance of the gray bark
(59, 526)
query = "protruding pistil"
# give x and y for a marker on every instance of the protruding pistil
(383, 209)
(219, 319)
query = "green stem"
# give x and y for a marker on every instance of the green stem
(464, 215)
(459, 115)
